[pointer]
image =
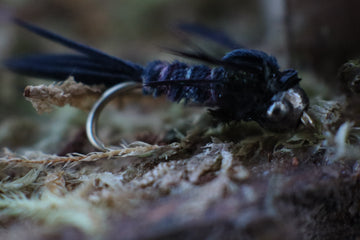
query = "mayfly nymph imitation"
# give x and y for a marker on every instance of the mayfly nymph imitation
(243, 85)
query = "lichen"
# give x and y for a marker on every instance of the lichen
(45, 97)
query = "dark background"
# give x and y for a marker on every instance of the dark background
(315, 37)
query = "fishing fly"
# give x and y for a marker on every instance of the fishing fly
(243, 85)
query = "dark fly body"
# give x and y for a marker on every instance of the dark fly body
(243, 85)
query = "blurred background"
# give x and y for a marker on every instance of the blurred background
(314, 37)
